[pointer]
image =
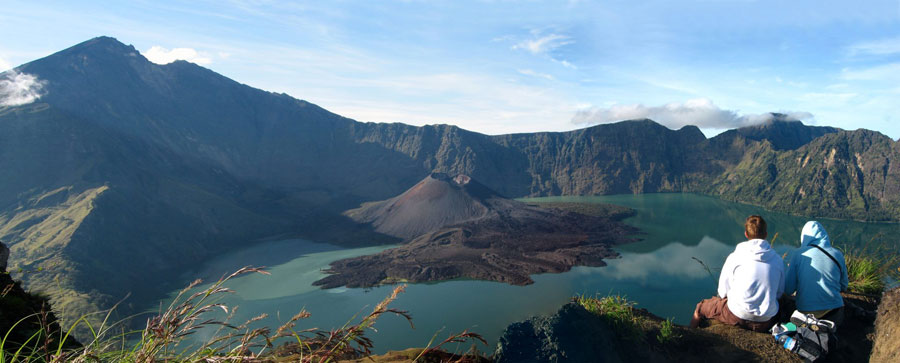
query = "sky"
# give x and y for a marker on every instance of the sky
(501, 67)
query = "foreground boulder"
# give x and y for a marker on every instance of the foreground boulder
(887, 329)
(575, 334)
(571, 335)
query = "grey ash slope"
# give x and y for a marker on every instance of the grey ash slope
(436, 201)
(175, 163)
(459, 228)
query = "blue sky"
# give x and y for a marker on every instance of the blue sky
(516, 66)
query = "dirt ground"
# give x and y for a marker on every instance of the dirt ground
(854, 338)
(887, 329)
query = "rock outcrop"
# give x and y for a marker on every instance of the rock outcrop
(575, 334)
(571, 335)
(4, 257)
(886, 346)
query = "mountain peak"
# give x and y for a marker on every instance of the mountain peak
(97, 56)
(438, 200)
(459, 179)
(784, 132)
(102, 45)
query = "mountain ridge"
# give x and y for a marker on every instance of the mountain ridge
(194, 164)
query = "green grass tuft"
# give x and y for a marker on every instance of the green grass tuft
(617, 310)
(868, 271)
(667, 332)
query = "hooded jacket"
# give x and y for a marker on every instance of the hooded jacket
(752, 279)
(815, 277)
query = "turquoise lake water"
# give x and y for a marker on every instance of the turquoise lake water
(660, 273)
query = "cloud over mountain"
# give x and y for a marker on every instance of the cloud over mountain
(699, 112)
(19, 88)
(160, 55)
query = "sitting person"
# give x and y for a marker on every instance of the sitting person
(751, 281)
(818, 273)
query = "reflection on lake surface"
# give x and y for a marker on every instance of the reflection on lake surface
(661, 273)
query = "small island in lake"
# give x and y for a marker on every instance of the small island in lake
(456, 227)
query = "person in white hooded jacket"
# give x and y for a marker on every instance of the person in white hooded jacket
(750, 284)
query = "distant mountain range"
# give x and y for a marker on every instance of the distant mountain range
(125, 173)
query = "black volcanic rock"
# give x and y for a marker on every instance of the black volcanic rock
(474, 233)
(4, 256)
(573, 334)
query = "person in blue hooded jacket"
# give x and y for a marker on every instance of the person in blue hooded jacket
(818, 273)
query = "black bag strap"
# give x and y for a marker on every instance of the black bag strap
(831, 257)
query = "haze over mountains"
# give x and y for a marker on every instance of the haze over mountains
(125, 173)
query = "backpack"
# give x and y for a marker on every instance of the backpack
(808, 337)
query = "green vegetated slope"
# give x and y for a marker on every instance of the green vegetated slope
(126, 173)
(847, 174)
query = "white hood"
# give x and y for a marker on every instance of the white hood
(752, 279)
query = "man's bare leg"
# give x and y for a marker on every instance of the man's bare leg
(695, 321)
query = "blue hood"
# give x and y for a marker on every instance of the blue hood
(814, 233)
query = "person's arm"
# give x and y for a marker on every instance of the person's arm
(790, 277)
(780, 290)
(725, 277)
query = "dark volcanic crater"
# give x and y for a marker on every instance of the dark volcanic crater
(458, 228)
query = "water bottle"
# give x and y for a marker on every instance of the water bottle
(788, 343)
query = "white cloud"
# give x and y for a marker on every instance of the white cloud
(699, 112)
(4, 65)
(529, 72)
(565, 63)
(543, 44)
(878, 47)
(18, 88)
(160, 55)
